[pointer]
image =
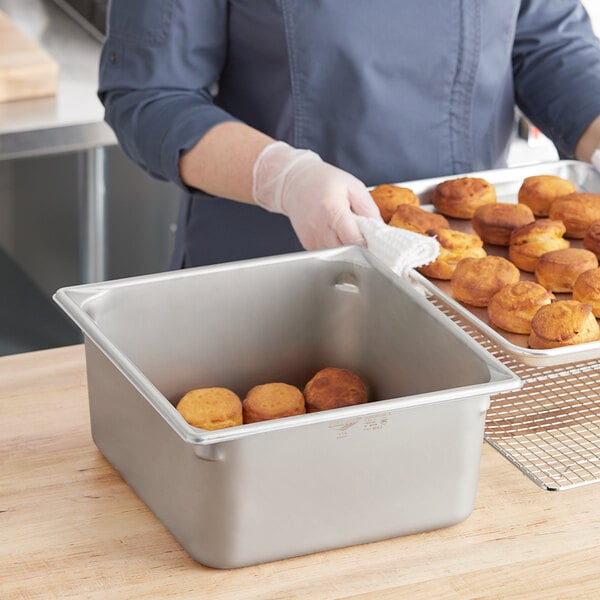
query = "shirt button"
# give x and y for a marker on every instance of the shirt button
(113, 58)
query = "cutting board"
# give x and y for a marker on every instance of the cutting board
(26, 69)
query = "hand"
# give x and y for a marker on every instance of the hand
(319, 199)
(596, 159)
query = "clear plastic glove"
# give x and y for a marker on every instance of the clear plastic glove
(320, 200)
(596, 159)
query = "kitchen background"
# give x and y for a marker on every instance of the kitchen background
(52, 201)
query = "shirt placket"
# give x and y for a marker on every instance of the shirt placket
(463, 85)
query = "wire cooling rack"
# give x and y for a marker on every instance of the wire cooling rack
(550, 428)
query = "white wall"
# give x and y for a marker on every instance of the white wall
(593, 8)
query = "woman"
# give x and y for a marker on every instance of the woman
(355, 93)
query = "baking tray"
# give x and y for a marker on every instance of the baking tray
(407, 461)
(507, 183)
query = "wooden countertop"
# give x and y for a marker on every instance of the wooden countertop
(70, 527)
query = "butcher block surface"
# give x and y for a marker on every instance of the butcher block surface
(72, 529)
(26, 69)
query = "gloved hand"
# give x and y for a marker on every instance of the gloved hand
(596, 159)
(319, 199)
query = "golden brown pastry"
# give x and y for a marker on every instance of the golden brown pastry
(577, 211)
(272, 401)
(211, 408)
(587, 289)
(558, 270)
(416, 219)
(388, 197)
(529, 242)
(591, 239)
(538, 192)
(495, 222)
(333, 388)
(512, 307)
(563, 323)
(461, 197)
(454, 246)
(476, 280)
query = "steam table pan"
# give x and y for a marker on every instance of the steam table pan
(405, 462)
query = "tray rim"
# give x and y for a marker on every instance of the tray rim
(492, 174)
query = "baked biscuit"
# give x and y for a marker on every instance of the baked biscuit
(388, 197)
(587, 289)
(563, 323)
(495, 222)
(334, 388)
(529, 242)
(272, 401)
(591, 239)
(416, 219)
(476, 280)
(454, 246)
(461, 197)
(577, 211)
(512, 308)
(211, 408)
(538, 192)
(558, 270)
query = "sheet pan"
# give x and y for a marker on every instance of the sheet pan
(507, 183)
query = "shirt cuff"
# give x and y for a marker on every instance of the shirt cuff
(183, 134)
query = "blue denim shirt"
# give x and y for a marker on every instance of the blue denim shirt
(387, 90)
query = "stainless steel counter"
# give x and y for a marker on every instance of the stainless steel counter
(71, 121)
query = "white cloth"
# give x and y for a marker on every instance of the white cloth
(399, 249)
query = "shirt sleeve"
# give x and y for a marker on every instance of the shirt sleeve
(556, 64)
(158, 65)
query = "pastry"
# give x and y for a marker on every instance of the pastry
(591, 239)
(461, 197)
(558, 270)
(334, 388)
(454, 246)
(476, 280)
(577, 211)
(587, 289)
(272, 401)
(495, 222)
(388, 197)
(416, 219)
(529, 242)
(211, 408)
(512, 307)
(538, 192)
(563, 323)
